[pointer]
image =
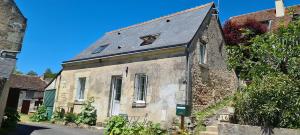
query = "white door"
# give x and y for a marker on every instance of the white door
(116, 95)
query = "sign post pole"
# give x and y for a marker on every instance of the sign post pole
(182, 122)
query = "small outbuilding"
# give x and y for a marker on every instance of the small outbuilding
(26, 93)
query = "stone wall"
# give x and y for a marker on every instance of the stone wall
(12, 29)
(234, 129)
(210, 82)
(12, 26)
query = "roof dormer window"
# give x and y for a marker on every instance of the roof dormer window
(149, 39)
(99, 49)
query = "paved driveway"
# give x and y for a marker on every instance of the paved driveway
(51, 129)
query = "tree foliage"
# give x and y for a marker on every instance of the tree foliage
(49, 74)
(32, 73)
(273, 65)
(236, 34)
(273, 101)
(272, 52)
(11, 119)
(17, 71)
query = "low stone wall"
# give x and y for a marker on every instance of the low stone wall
(235, 129)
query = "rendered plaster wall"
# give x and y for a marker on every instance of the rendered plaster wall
(166, 71)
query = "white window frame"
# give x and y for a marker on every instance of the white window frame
(79, 89)
(202, 53)
(138, 88)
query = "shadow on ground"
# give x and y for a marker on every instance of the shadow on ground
(24, 129)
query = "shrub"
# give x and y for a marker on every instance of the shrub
(40, 114)
(88, 114)
(70, 117)
(58, 115)
(272, 101)
(118, 125)
(12, 119)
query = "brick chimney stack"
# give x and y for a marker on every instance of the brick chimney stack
(280, 9)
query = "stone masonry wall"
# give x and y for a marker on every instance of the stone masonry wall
(12, 29)
(12, 26)
(211, 82)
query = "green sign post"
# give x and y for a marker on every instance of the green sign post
(183, 110)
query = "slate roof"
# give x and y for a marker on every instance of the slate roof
(6, 67)
(174, 29)
(26, 82)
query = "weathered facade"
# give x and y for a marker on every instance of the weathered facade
(146, 69)
(12, 29)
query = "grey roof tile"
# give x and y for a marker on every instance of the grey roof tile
(180, 29)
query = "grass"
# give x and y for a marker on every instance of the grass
(25, 118)
(210, 111)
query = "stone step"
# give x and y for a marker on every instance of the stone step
(212, 128)
(208, 133)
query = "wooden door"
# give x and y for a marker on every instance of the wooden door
(25, 106)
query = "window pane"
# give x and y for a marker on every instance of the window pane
(202, 53)
(118, 87)
(141, 90)
(81, 88)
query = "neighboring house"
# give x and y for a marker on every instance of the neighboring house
(273, 18)
(12, 29)
(26, 93)
(145, 70)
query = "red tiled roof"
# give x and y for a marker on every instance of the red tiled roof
(264, 15)
(26, 82)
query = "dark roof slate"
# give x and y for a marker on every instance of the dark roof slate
(174, 29)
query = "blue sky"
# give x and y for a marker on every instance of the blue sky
(60, 29)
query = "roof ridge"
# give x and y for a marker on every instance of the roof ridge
(261, 11)
(163, 17)
(27, 76)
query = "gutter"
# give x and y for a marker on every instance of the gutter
(123, 54)
(8, 54)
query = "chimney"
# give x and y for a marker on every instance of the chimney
(279, 8)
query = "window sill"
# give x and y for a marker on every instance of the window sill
(138, 104)
(78, 102)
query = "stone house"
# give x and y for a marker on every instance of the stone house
(273, 18)
(144, 70)
(12, 29)
(26, 93)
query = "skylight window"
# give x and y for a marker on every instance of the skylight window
(99, 49)
(149, 39)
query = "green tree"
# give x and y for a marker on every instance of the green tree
(32, 73)
(273, 52)
(17, 72)
(49, 74)
(273, 101)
